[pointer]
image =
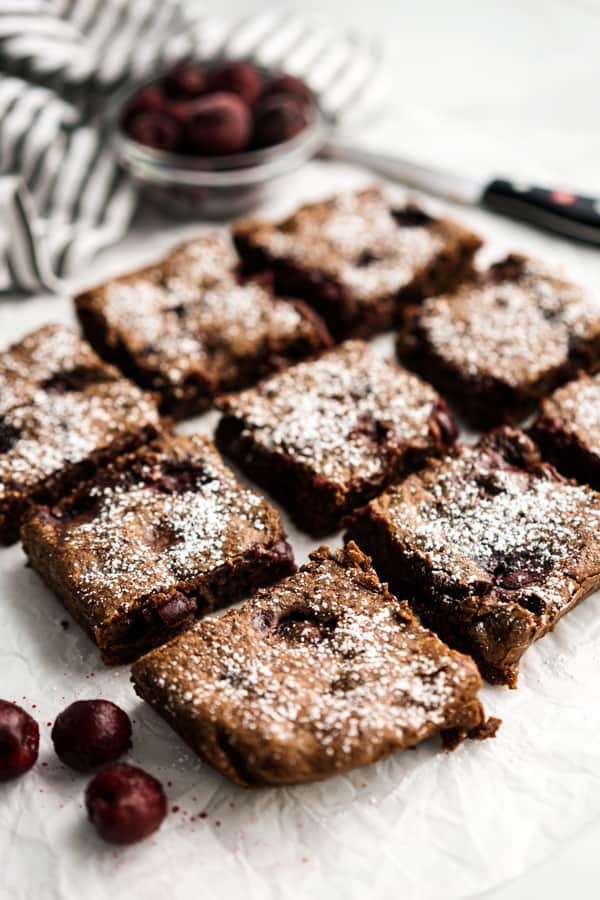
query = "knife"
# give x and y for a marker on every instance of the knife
(562, 212)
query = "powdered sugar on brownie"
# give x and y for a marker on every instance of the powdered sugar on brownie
(476, 519)
(322, 672)
(344, 415)
(56, 430)
(576, 408)
(144, 533)
(42, 354)
(515, 329)
(189, 315)
(355, 238)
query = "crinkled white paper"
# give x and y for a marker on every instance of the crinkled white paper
(416, 826)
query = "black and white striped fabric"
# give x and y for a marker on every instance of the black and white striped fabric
(63, 195)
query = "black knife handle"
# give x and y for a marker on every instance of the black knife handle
(570, 215)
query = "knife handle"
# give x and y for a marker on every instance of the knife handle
(569, 215)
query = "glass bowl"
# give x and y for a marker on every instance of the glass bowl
(219, 187)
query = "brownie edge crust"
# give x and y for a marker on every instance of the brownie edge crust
(157, 539)
(315, 676)
(492, 545)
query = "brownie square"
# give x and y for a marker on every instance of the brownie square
(63, 414)
(567, 429)
(359, 257)
(161, 536)
(315, 676)
(501, 343)
(325, 436)
(188, 329)
(493, 545)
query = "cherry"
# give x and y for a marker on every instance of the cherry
(19, 741)
(278, 118)
(125, 804)
(219, 125)
(89, 733)
(151, 99)
(289, 84)
(239, 78)
(185, 81)
(155, 129)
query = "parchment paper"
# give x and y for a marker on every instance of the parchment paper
(417, 826)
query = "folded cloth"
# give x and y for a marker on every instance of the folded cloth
(63, 195)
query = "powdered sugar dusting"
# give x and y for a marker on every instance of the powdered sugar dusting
(514, 330)
(189, 314)
(474, 516)
(57, 430)
(365, 679)
(576, 406)
(141, 539)
(40, 355)
(344, 415)
(355, 238)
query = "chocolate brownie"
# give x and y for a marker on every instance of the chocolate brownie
(63, 414)
(188, 328)
(501, 343)
(325, 436)
(567, 429)
(493, 545)
(359, 257)
(161, 536)
(315, 676)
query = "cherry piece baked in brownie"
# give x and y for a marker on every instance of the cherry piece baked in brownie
(500, 344)
(494, 546)
(359, 257)
(567, 429)
(325, 436)
(63, 414)
(158, 538)
(188, 329)
(315, 676)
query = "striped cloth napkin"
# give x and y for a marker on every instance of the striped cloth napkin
(62, 193)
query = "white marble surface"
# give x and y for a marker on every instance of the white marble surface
(489, 87)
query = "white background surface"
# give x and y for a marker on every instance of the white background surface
(491, 88)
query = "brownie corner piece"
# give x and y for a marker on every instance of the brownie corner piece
(503, 340)
(63, 414)
(359, 257)
(326, 435)
(158, 538)
(492, 544)
(312, 677)
(567, 429)
(190, 328)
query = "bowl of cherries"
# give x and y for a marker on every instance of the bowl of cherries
(213, 140)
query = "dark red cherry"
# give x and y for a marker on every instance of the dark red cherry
(220, 125)
(89, 733)
(278, 118)
(125, 804)
(289, 84)
(185, 81)
(19, 741)
(155, 129)
(239, 78)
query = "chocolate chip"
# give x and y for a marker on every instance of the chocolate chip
(82, 506)
(177, 610)
(178, 478)
(9, 435)
(366, 258)
(445, 422)
(411, 216)
(75, 379)
(304, 626)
